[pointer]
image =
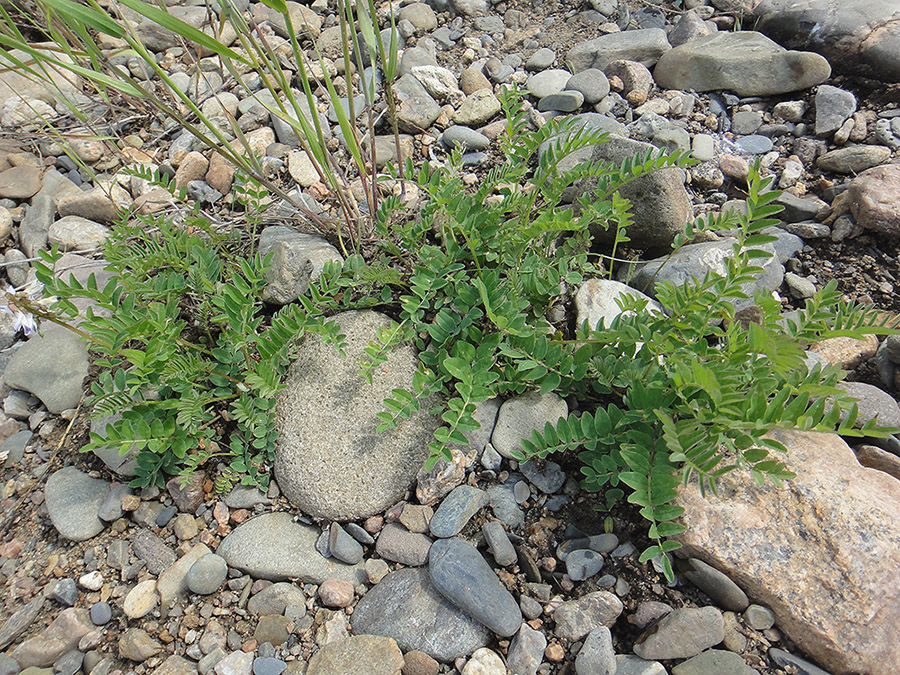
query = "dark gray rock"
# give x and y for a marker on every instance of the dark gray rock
(582, 564)
(461, 575)
(456, 510)
(548, 478)
(592, 83)
(344, 547)
(65, 592)
(276, 598)
(416, 109)
(19, 622)
(576, 618)
(722, 590)
(714, 661)
(526, 651)
(802, 666)
(297, 260)
(499, 544)
(153, 551)
(458, 136)
(833, 107)
(101, 613)
(406, 606)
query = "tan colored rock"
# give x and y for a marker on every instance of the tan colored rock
(140, 600)
(55, 640)
(101, 204)
(822, 551)
(20, 182)
(875, 199)
(358, 655)
(878, 459)
(193, 167)
(846, 352)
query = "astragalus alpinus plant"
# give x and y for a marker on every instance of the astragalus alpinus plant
(284, 75)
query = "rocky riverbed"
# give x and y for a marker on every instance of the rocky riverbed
(357, 560)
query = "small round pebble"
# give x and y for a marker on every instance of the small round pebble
(522, 492)
(759, 617)
(207, 574)
(583, 564)
(336, 593)
(268, 666)
(101, 613)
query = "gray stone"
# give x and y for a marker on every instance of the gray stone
(416, 109)
(645, 46)
(722, 590)
(35, 226)
(526, 651)
(592, 83)
(8, 665)
(598, 300)
(267, 665)
(74, 233)
(60, 636)
(342, 546)
(854, 158)
(693, 261)
(152, 550)
(499, 544)
(276, 598)
(478, 108)
(689, 27)
(681, 634)
(297, 259)
(51, 366)
(833, 107)
(235, 663)
(456, 510)
(582, 564)
(406, 606)
(548, 82)
(69, 663)
(207, 574)
(564, 101)
(65, 592)
(463, 137)
(628, 664)
(19, 622)
(15, 265)
(274, 547)
(73, 502)
(548, 477)
(243, 497)
(746, 122)
(329, 460)
(873, 403)
(397, 544)
(858, 37)
(542, 59)
(745, 62)
(111, 508)
(713, 662)
(420, 15)
(755, 144)
(576, 618)
(660, 203)
(759, 617)
(799, 287)
(802, 666)
(521, 415)
(597, 656)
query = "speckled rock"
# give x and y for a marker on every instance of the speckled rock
(329, 461)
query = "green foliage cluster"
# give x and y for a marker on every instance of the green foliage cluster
(474, 277)
(665, 398)
(190, 364)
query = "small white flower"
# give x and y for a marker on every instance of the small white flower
(22, 320)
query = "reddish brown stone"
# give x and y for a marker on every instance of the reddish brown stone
(822, 551)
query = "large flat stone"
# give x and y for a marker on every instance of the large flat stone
(822, 551)
(273, 546)
(747, 63)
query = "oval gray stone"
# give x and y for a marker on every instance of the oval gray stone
(681, 634)
(207, 574)
(462, 575)
(329, 461)
(456, 510)
(406, 606)
(73, 502)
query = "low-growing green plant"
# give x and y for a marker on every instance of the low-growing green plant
(190, 361)
(664, 398)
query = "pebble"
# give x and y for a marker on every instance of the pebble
(597, 656)
(681, 634)
(526, 651)
(344, 547)
(759, 617)
(576, 618)
(207, 574)
(499, 544)
(92, 581)
(463, 137)
(456, 510)
(137, 645)
(754, 144)
(723, 591)
(69, 663)
(563, 101)
(73, 501)
(336, 593)
(801, 666)
(547, 477)
(592, 83)
(461, 575)
(833, 107)
(548, 82)
(268, 666)
(140, 600)
(397, 544)
(542, 59)
(235, 663)
(583, 564)
(712, 662)
(854, 159)
(101, 613)
(65, 592)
